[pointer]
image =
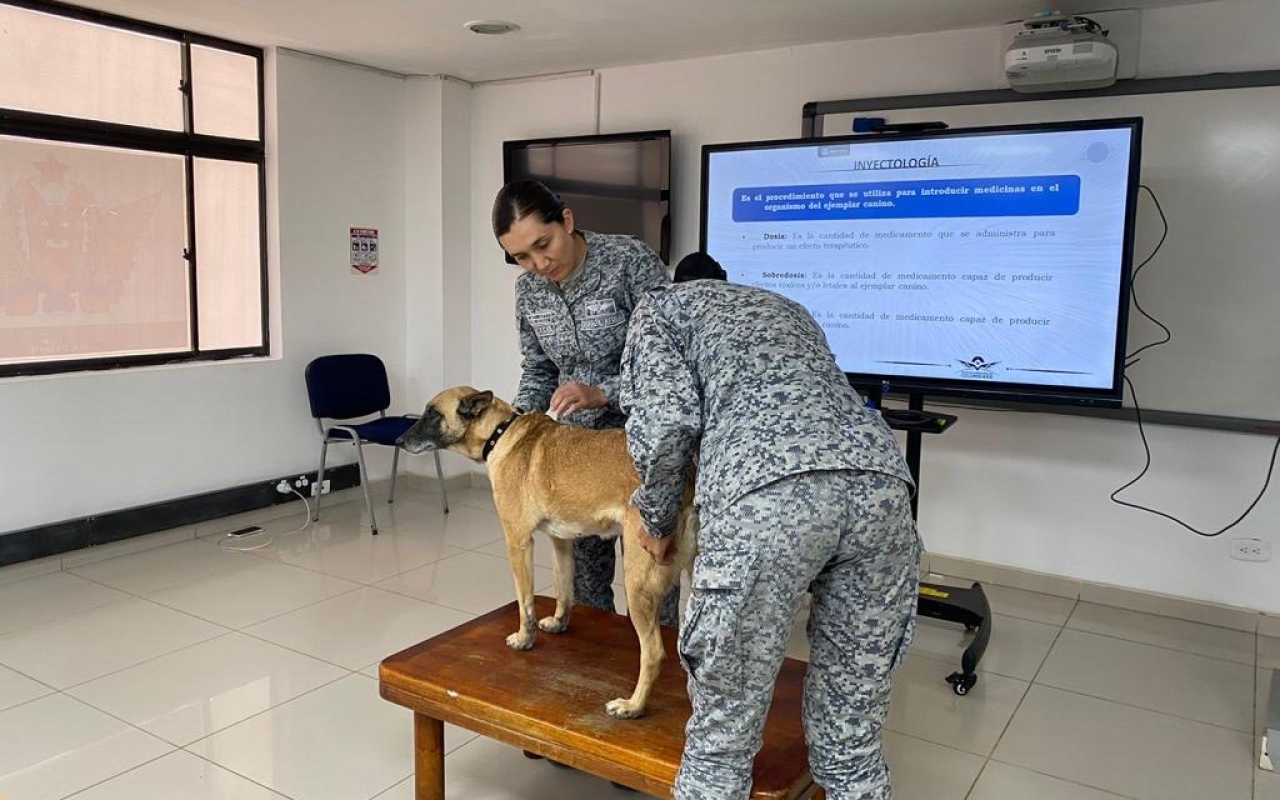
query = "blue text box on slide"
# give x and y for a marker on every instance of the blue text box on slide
(1027, 196)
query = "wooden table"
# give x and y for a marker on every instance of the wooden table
(550, 701)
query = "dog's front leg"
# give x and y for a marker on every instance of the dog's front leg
(565, 567)
(520, 553)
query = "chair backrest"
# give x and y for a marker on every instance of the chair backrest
(347, 386)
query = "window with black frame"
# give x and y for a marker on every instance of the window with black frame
(132, 193)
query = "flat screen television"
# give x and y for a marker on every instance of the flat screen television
(984, 262)
(615, 183)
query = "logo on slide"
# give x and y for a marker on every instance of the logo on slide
(978, 367)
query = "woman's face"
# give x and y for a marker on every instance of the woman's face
(548, 249)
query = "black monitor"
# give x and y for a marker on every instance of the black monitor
(983, 262)
(615, 183)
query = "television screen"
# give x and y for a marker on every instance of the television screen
(616, 183)
(989, 261)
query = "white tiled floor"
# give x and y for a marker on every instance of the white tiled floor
(46, 598)
(188, 671)
(16, 689)
(339, 742)
(84, 646)
(179, 775)
(190, 694)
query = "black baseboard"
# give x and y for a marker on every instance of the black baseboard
(63, 537)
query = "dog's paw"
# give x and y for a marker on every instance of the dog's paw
(622, 708)
(553, 625)
(520, 641)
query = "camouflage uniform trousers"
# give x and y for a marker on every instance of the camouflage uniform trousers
(846, 536)
(594, 565)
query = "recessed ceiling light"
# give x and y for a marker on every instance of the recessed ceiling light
(491, 27)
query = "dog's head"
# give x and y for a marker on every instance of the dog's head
(459, 419)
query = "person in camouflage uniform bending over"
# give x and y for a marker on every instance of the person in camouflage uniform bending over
(800, 488)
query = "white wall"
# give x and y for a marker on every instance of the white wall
(93, 442)
(438, 237)
(1026, 490)
(456, 189)
(424, 217)
(1224, 36)
(437, 246)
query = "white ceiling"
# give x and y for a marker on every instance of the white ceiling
(422, 37)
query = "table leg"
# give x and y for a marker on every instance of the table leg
(428, 758)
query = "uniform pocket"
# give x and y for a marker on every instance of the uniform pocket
(554, 330)
(711, 637)
(909, 599)
(722, 570)
(904, 644)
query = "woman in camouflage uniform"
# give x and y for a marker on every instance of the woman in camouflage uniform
(573, 302)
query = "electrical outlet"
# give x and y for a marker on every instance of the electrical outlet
(319, 488)
(1250, 550)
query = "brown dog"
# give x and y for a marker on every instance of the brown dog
(567, 482)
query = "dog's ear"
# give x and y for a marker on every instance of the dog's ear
(474, 405)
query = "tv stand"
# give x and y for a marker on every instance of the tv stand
(964, 606)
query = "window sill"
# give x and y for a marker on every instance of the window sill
(115, 371)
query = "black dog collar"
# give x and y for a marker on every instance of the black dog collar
(495, 436)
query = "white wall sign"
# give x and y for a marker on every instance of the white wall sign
(364, 251)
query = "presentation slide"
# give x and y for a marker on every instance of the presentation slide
(992, 258)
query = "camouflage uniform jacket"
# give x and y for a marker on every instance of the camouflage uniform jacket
(575, 330)
(744, 378)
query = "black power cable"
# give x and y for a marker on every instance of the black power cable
(1145, 467)
(1133, 285)
(1131, 360)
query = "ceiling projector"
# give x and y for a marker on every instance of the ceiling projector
(1056, 53)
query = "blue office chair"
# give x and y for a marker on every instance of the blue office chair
(347, 387)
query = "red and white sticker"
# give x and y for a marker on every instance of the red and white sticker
(364, 251)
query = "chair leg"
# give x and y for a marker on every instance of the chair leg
(395, 467)
(324, 451)
(364, 484)
(444, 490)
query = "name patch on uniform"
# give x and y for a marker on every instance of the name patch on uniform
(601, 313)
(548, 325)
